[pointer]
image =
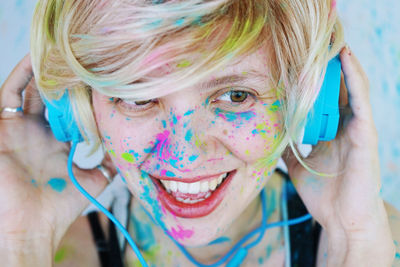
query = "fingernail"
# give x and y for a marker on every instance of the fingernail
(348, 50)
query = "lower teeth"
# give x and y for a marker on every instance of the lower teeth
(192, 201)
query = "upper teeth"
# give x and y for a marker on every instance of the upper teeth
(193, 188)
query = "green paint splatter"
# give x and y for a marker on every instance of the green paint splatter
(57, 184)
(128, 157)
(112, 152)
(60, 255)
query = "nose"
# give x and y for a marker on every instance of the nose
(182, 144)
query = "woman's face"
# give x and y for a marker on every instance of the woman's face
(174, 151)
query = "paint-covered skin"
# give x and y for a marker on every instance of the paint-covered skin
(193, 133)
(161, 252)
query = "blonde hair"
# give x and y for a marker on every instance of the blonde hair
(113, 46)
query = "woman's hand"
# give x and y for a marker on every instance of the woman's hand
(38, 202)
(348, 206)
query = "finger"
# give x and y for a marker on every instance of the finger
(109, 165)
(92, 181)
(357, 83)
(33, 103)
(343, 94)
(10, 92)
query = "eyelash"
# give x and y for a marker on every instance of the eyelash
(134, 107)
(137, 108)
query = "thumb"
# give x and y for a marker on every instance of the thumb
(93, 181)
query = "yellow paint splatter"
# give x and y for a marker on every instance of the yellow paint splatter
(51, 82)
(184, 63)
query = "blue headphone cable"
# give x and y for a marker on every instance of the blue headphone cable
(104, 210)
(238, 252)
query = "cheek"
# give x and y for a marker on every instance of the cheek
(250, 135)
(126, 143)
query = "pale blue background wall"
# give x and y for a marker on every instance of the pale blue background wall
(372, 29)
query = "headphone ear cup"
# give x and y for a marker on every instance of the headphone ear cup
(61, 119)
(323, 119)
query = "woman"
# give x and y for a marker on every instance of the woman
(194, 103)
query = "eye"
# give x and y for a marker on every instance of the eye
(133, 105)
(235, 97)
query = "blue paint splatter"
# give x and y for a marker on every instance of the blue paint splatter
(34, 183)
(180, 21)
(174, 119)
(247, 115)
(378, 32)
(148, 150)
(153, 24)
(144, 234)
(187, 113)
(188, 135)
(275, 106)
(19, 3)
(164, 124)
(232, 116)
(57, 184)
(193, 157)
(169, 174)
(198, 21)
(173, 163)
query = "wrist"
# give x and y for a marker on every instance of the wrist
(360, 249)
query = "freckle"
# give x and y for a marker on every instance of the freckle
(225, 132)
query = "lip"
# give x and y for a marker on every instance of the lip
(195, 210)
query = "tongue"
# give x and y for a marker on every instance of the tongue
(191, 196)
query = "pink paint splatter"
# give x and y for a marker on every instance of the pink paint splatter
(181, 233)
(215, 159)
(162, 147)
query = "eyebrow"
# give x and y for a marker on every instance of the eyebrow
(246, 76)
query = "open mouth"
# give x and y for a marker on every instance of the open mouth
(192, 200)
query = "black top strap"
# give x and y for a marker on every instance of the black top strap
(108, 251)
(304, 236)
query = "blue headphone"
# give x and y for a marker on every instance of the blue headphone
(321, 125)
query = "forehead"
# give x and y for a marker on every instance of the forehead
(251, 65)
